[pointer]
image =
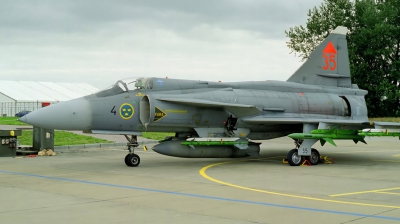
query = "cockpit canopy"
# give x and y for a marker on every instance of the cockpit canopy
(160, 84)
(126, 85)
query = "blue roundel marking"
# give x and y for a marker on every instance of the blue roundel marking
(126, 111)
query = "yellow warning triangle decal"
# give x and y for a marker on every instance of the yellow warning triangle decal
(158, 114)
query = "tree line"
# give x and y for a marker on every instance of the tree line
(373, 43)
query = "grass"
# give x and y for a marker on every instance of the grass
(62, 138)
(386, 119)
(157, 135)
(10, 121)
(68, 138)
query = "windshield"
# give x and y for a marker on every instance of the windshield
(125, 85)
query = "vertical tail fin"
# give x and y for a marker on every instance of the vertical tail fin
(328, 64)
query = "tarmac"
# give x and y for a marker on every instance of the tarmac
(358, 184)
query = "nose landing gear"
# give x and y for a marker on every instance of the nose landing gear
(132, 159)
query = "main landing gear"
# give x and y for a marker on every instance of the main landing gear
(294, 159)
(132, 159)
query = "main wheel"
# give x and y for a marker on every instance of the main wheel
(132, 160)
(314, 158)
(293, 158)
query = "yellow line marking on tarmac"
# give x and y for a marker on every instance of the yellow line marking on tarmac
(388, 193)
(397, 155)
(364, 151)
(268, 158)
(203, 170)
(391, 161)
(365, 192)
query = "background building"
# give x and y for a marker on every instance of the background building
(16, 96)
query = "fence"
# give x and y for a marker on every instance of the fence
(9, 109)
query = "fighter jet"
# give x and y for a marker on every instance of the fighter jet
(222, 119)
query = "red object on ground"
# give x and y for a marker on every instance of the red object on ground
(30, 156)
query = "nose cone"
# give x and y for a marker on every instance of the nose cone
(70, 115)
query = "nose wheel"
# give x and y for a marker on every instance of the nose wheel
(132, 159)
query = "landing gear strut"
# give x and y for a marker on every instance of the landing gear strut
(132, 159)
(230, 126)
(294, 159)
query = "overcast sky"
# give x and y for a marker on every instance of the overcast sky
(99, 42)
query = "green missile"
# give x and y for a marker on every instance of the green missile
(229, 141)
(379, 132)
(364, 134)
(334, 131)
(209, 143)
(328, 135)
(323, 133)
(323, 136)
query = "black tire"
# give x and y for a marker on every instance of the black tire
(126, 159)
(293, 158)
(314, 158)
(132, 160)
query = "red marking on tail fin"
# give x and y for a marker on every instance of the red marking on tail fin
(329, 54)
(330, 48)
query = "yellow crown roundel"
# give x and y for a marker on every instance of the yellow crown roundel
(126, 111)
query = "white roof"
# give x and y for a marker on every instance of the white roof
(30, 91)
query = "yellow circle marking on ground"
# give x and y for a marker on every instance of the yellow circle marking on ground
(202, 172)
